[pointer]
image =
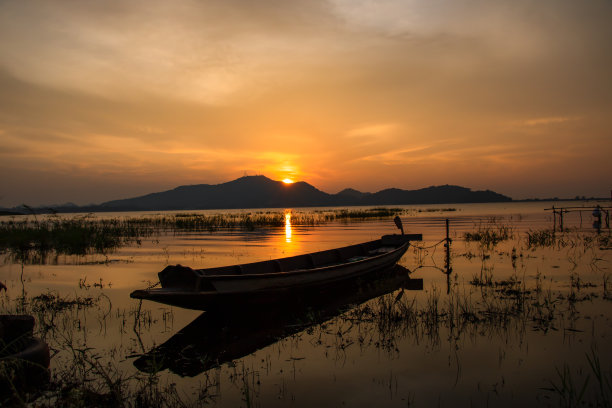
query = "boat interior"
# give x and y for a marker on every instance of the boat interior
(180, 276)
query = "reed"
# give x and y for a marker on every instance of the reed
(580, 388)
(490, 234)
(37, 240)
(83, 377)
(540, 238)
(33, 241)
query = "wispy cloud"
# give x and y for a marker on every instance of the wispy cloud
(551, 120)
(372, 130)
(399, 156)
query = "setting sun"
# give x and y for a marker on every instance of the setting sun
(287, 181)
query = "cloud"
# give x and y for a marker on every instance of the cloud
(333, 91)
(374, 130)
(547, 121)
(201, 51)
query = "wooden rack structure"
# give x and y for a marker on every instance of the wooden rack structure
(558, 213)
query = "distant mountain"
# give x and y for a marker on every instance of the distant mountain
(245, 192)
(262, 192)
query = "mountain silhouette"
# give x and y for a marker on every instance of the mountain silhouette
(262, 192)
(245, 192)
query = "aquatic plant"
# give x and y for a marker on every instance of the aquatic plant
(490, 233)
(37, 240)
(32, 241)
(592, 389)
(540, 238)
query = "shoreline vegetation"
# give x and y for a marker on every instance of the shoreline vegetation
(75, 209)
(34, 238)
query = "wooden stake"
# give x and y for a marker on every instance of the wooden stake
(447, 245)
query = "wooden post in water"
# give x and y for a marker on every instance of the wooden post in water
(447, 245)
(447, 262)
(561, 220)
(554, 219)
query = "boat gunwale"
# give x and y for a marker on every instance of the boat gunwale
(215, 293)
(341, 264)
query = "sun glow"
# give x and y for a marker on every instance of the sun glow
(287, 181)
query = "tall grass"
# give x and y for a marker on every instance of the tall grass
(580, 388)
(34, 239)
(490, 233)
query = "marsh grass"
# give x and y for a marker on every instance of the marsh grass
(39, 240)
(490, 233)
(541, 238)
(575, 388)
(34, 241)
(82, 377)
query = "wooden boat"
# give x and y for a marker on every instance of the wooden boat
(274, 280)
(215, 338)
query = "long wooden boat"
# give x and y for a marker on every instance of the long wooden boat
(270, 281)
(215, 338)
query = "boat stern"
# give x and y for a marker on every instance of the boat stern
(399, 240)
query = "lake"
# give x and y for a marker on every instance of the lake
(523, 318)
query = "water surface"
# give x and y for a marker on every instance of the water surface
(444, 356)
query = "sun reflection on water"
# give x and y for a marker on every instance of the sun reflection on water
(288, 226)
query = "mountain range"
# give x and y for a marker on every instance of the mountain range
(262, 192)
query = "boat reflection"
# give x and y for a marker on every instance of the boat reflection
(215, 338)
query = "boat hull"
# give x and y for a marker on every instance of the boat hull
(215, 338)
(216, 291)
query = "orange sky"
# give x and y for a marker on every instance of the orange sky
(112, 99)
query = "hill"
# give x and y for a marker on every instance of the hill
(262, 192)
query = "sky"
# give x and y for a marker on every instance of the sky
(101, 100)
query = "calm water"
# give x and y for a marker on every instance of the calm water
(347, 360)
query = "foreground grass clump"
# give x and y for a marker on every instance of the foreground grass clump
(540, 238)
(87, 382)
(580, 388)
(82, 376)
(26, 239)
(490, 234)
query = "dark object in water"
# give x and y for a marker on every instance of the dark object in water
(271, 282)
(24, 359)
(214, 338)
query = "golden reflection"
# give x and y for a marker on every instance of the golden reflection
(288, 226)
